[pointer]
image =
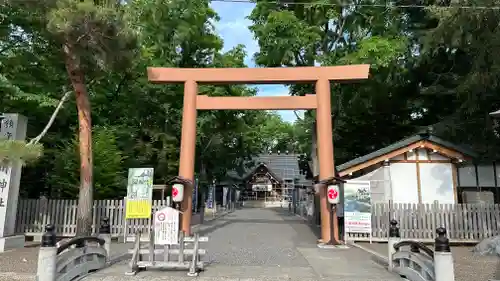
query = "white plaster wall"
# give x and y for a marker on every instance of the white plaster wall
(404, 182)
(380, 185)
(398, 157)
(436, 183)
(422, 154)
(437, 156)
(411, 155)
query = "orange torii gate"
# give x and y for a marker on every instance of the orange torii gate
(321, 102)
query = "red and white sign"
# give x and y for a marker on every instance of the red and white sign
(166, 226)
(177, 192)
(333, 194)
(161, 217)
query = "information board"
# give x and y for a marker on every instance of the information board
(195, 194)
(357, 207)
(166, 226)
(139, 193)
(210, 199)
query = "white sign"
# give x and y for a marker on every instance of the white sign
(140, 184)
(166, 226)
(5, 176)
(12, 127)
(139, 193)
(262, 187)
(357, 207)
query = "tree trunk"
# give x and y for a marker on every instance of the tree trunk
(85, 196)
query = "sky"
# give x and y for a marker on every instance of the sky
(233, 28)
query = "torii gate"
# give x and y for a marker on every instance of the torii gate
(321, 102)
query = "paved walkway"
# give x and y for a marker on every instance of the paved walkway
(265, 244)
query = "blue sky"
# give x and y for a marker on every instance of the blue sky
(233, 28)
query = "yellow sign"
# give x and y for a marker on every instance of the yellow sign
(139, 193)
(138, 209)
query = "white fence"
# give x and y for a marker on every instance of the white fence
(463, 222)
(34, 214)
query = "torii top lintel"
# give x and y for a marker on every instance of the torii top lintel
(277, 75)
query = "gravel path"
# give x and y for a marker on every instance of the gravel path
(266, 244)
(468, 265)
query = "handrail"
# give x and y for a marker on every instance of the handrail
(417, 245)
(79, 241)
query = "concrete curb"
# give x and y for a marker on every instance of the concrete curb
(371, 252)
(384, 261)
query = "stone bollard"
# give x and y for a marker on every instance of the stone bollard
(105, 233)
(443, 259)
(47, 255)
(394, 238)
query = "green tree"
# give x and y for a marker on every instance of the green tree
(93, 36)
(109, 173)
(458, 71)
(308, 34)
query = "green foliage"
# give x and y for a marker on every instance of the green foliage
(109, 171)
(428, 67)
(13, 150)
(308, 34)
(141, 121)
(378, 51)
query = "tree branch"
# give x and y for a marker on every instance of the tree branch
(52, 119)
(297, 115)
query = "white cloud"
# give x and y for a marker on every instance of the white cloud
(233, 28)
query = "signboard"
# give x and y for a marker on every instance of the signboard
(357, 207)
(262, 187)
(12, 127)
(166, 226)
(139, 193)
(210, 198)
(195, 194)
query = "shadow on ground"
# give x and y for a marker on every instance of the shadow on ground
(285, 218)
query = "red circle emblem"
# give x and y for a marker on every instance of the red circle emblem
(161, 217)
(175, 192)
(332, 194)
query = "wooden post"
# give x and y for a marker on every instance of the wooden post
(325, 155)
(187, 154)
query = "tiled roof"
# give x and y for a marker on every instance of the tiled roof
(284, 166)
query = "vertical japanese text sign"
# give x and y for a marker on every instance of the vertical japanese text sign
(139, 193)
(166, 226)
(195, 194)
(12, 127)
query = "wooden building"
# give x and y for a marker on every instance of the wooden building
(272, 180)
(419, 169)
